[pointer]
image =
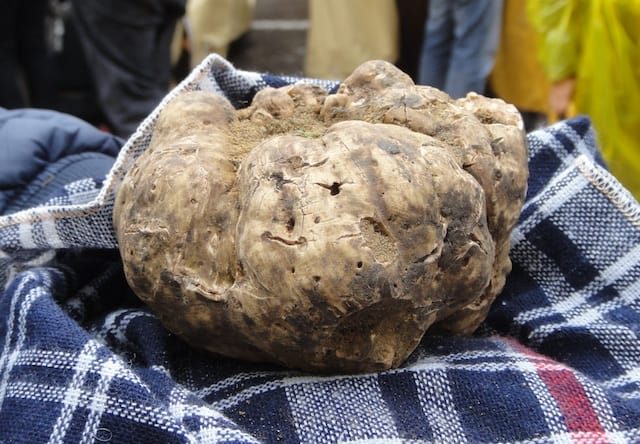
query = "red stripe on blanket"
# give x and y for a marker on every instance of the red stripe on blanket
(573, 402)
(579, 415)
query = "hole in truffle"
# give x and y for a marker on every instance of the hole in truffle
(316, 278)
(316, 219)
(290, 224)
(293, 270)
(334, 188)
(359, 264)
(193, 201)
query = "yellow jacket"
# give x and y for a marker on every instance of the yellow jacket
(518, 76)
(598, 43)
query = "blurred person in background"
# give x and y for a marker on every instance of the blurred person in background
(25, 61)
(127, 45)
(213, 24)
(344, 34)
(590, 50)
(461, 37)
(518, 76)
(412, 15)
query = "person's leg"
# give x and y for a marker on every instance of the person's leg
(412, 15)
(34, 54)
(127, 48)
(477, 32)
(164, 34)
(10, 91)
(436, 49)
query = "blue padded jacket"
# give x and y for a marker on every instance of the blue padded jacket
(43, 150)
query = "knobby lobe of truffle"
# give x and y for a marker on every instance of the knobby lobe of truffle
(324, 232)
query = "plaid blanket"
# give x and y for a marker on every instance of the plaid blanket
(558, 359)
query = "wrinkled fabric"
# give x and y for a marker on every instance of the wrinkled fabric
(83, 360)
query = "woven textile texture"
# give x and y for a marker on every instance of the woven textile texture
(558, 359)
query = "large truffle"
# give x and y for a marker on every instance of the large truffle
(324, 232)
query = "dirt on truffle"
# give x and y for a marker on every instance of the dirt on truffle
(245, 134)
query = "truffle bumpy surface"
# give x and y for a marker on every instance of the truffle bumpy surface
(324, 232)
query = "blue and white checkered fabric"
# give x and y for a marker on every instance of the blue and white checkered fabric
(558, 359)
